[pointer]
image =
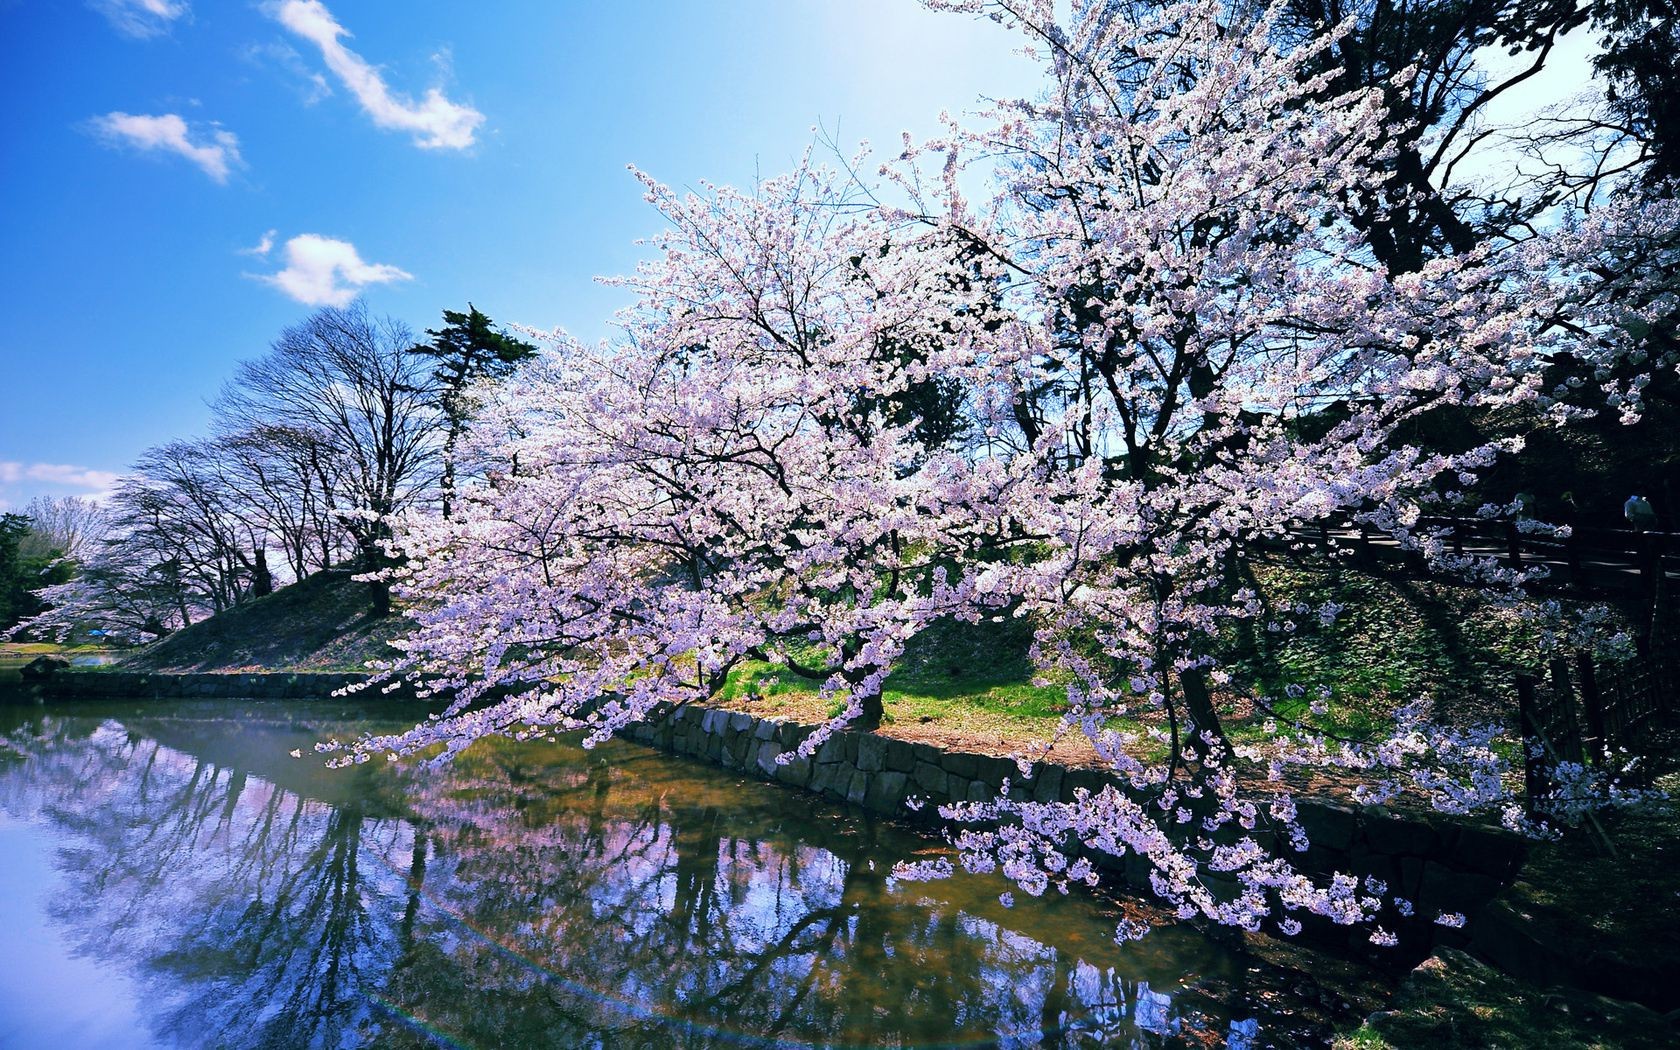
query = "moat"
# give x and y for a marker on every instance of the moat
(198, 886)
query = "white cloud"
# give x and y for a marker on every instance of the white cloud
(141, 18)
(322, 271)
(95, 483)
(435, 122)
(168, 132)
(262, 247)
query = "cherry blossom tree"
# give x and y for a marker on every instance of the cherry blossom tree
(1170, 341)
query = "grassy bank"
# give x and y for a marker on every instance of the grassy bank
(1393, 641)
(320, 623)
(20, 653)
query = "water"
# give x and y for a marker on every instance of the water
(169, 876)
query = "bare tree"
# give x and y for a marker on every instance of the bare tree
(274, 469)
(361, 412)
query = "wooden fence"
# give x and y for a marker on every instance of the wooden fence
(1608, 562)
(1601, 715)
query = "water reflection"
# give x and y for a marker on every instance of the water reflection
(541, 895)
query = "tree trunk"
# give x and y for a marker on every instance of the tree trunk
(262, 580)
(873, 713)
(1203, 718)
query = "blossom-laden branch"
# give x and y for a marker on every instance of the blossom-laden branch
(1168, 341)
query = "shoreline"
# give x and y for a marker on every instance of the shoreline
(1438, 863)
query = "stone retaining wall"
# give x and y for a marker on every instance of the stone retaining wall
(1439, 864)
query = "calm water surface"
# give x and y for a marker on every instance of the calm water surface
(169, 877)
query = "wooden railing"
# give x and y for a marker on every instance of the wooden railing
(1578, 709)
(1589, 560)
(1601, 715)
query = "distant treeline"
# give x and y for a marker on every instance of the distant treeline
(346, 420)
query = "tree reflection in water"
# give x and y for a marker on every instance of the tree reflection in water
(543, 895)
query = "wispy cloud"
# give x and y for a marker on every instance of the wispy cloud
(434, 121)
(141, 18)
(311, 85)
(90, 482)
(262, 247)
(324, 271)
(167, 132)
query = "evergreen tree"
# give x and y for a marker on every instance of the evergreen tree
(24, 569)
(468, 347)
(1641, 60)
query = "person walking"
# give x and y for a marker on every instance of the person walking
(1640, 514)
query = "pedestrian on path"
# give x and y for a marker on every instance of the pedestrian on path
(1639, 513)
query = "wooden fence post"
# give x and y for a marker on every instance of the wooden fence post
(1592, 705)
(1563, 697)
(1648, 546)
(1513, 544)
(1533, 745)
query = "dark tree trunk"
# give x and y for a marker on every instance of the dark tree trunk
(1199, 706)
(262, 580)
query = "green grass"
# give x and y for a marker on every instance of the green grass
(972, 675)
(1395, 640)
(1454, 1002)
(46, 649)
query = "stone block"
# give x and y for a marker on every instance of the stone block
(872, 753)
(739, 746)
(886, 791)
(900, 757)
(1330, 825)
(1399, 834)
(1074, 779)
(740, 721)
(1108, 862)
(1367, 863)
(822, 778)
(858, 790)
(1047, 783)
(1444, 889)
(931, 779)
(994, 771)
(1411, 878)
(796, 772)
(1504, 934)
(1488, 851)
(832, 750)
(766, 729)
(961, 763)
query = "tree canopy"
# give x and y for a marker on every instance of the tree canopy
(1176, 332)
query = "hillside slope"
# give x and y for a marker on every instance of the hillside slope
(320, 623)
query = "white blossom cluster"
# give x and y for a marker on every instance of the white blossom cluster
(1135, 330)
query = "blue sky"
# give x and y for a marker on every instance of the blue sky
(425, 152)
